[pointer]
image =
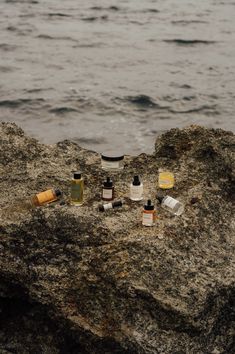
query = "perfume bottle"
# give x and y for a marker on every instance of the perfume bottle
(46, 197)
(149, 214)
(171, 204)
(113, 205)
(136, 189)
(77, 189)
(166, 179)
(108, 190)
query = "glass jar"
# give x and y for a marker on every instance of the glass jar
(112, 161)
(166, 179)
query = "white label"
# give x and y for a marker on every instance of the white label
(147, 219)
(170, 202)
(110, 164)
(108, 206)
(107, 193)
(136, 192)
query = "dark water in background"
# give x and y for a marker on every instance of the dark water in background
(116, 72)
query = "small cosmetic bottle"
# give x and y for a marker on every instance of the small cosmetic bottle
(171, 204)
(77, 189)
(148, 214)
(113, 205)
(136, 189)
(46, 197)
(108, 190)
(166, 179)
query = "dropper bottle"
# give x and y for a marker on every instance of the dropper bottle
(136, 189)
(148, 214)
(108, 190)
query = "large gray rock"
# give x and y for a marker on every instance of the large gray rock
(74, 280)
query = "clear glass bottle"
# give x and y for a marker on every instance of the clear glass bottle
(77, 189)
(113, 205)
(108, 190)
(148, 214)
(46, 197)
(171, 204)
(166, 179)
(136, 189)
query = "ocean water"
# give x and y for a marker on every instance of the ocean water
(115, 74)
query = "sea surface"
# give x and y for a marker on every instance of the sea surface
(115, 74)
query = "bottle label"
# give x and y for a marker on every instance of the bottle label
(76, 192)
(108, 206)
(148, 219)
(46, 197)
(136, 192)
(107, 193)
(170, 202)
(166, 180)
(110, 164)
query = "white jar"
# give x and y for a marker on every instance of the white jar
(112, 161)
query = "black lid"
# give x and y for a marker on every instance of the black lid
(101, 207)
(149, 205)
(108, 183)
(77, 175)
(117, 203)
(136, 181)
(58, 192)
(160, 196)
(112, 156)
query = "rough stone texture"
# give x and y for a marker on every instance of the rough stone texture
(73, 280)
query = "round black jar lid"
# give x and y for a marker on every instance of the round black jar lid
(112, 156)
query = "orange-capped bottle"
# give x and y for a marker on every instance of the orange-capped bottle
(46, 197)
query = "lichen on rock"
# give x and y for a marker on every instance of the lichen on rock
(73, 280)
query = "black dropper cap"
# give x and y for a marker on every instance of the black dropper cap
(136, 181)
(58, 192)
(160, 196)
(108, 183)
(117, 203)
(77, 175)
(149, 205)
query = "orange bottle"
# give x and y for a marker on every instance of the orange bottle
(149, 214)
(46, 197)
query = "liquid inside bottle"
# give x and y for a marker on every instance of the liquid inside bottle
(136, 189)
(148, 214)
(77, 189)
(171, 204)
(166, 180)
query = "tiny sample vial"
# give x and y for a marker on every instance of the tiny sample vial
(77, 189)
(171, 204)
(166, 179)
(112, 161)
(113, 205)
(108, 190)
(149, 214)
(46, 197)
(136, 189)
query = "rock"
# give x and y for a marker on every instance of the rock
(73, 280)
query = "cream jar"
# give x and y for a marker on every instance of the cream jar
(112, 161)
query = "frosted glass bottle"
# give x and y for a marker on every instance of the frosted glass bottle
(171, 204)
(136, 189)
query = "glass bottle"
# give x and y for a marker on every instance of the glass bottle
(171, 204)
(108, 190)
(166, 179)
(148, 214)
(136, 189)
(77, 189)
(46, 197)
(113, 205)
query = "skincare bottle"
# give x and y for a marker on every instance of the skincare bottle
(148, 214)
(113, 205)
(166, 179)
(171, 204)
(77, 189)
(112, 161)
(108, 190)
(46, 197)
(136, 189)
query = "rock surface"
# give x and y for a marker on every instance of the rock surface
(74, 280)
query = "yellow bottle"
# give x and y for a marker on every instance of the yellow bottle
(46, 197)
(77, 188)
(166, 179)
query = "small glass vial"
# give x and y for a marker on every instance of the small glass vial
(136, 189)
(166, 179)
(171, 204)
(112, 161)
(46, 197)
(113, 205)
(108, 190)
(148, 214)
(77, 189)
